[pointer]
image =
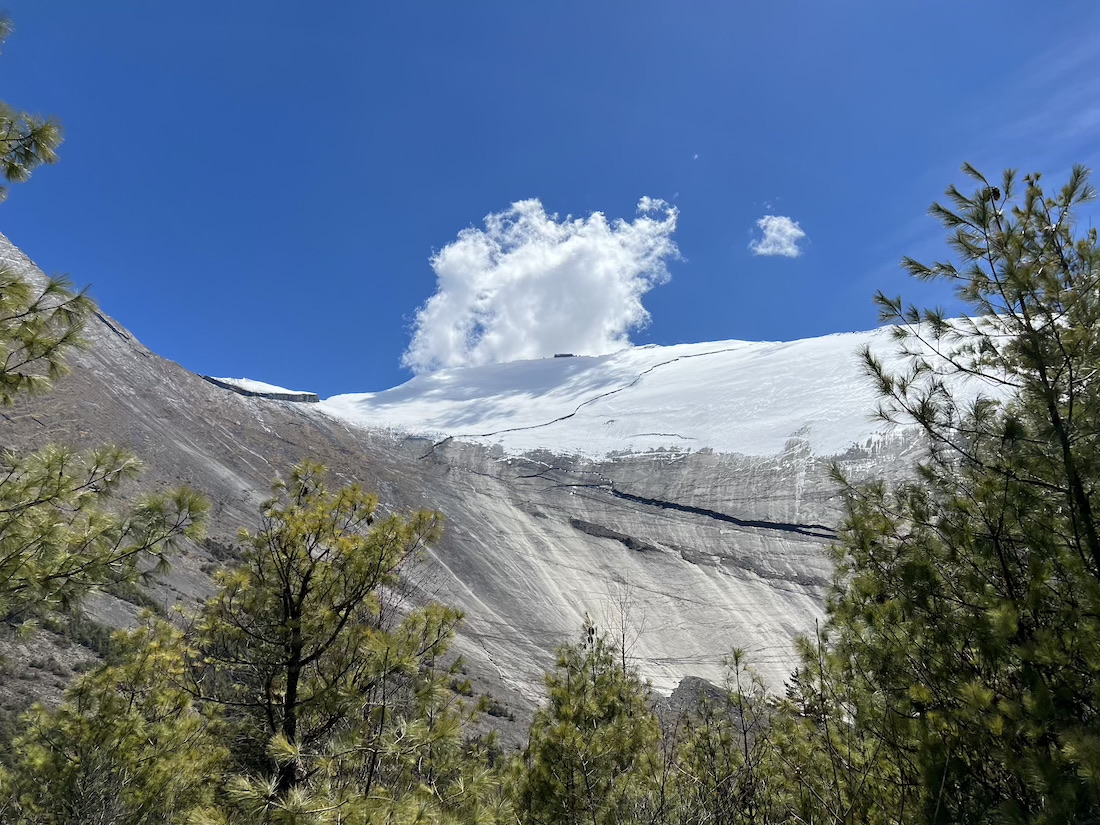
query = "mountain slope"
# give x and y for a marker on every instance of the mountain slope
(693, 551)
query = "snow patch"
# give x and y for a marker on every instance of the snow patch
(259, 386)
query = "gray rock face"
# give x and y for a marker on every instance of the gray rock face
(682, 555)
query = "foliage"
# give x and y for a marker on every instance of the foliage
(295, 641)
(26, 141)
(38, 327)
(125, 748)
(826, 765)
(969, 616)
(302, 693)
(726, 762)
(58, 540)
(338, 706)
(592, 755)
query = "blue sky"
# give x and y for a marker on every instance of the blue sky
(258, 188)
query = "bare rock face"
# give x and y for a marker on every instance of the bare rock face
(681, 555)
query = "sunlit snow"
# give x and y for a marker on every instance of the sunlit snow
(259, 386)
(730, 396)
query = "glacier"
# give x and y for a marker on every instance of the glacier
(741, 397)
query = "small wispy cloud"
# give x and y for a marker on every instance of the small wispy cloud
(780, 236)
(1046, 114)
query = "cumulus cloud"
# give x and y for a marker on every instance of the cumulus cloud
(529, 285)
(780, 237)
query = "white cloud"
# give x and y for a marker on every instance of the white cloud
(781, 237)
(529, 285)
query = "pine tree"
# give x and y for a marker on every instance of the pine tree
(126, 747)
(26, 141)
(727, 756)
(335, 697)
(38, 328)
(296, 640)
(302, 693)
(969, 609)
(58, 536)
(830, 758)
(592, 756)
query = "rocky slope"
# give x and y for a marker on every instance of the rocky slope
(689, 552)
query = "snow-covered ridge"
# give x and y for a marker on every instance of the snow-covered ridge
(246, 386)
(729, 396)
